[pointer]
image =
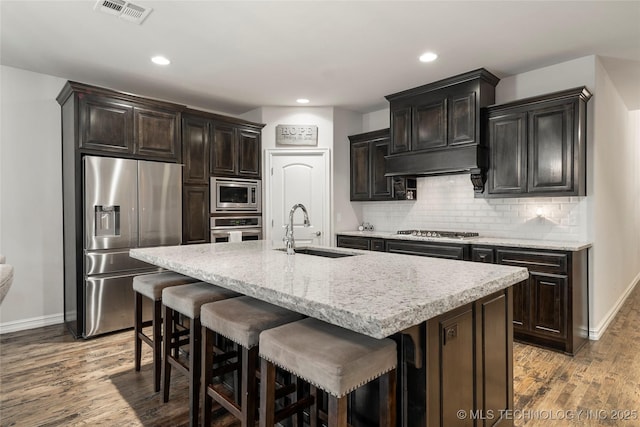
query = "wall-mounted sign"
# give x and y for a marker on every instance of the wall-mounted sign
(296, 135)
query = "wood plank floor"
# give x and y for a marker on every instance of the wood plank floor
(49, 379)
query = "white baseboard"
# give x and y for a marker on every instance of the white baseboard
(597, 332)
(34, 322)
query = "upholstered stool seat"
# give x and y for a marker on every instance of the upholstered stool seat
(186, 300)
(332, 359)
(151, 286)
(241, 320)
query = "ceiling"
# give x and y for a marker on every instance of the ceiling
(232, 57)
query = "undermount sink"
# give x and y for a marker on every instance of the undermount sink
(320, 252)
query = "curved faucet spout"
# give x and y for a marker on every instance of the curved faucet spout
(288, 238)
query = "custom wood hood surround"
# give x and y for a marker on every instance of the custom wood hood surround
(438, 128)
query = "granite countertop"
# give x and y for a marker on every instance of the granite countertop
(491, 241)
(374, 293)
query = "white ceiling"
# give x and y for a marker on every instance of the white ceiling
(234, 56)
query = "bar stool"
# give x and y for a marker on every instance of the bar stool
(333, 359)
(151, 286)
(186, 300)
(240, 320)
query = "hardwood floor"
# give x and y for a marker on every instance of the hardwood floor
(602, 379)
(49, 379)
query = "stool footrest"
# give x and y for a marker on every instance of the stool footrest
(294, 408)
(225, 402)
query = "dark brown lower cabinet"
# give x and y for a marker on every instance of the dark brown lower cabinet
(430, 249)
(453, 370)
(551, 308)
(195, 212)
(364, 243)
(470, 364)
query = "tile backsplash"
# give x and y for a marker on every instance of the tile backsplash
(448, 203)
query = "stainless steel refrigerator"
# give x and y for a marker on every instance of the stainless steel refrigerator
(126, 204)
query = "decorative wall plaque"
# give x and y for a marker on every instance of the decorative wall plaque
(296, 135)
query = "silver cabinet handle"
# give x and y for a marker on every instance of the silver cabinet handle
(318, 233)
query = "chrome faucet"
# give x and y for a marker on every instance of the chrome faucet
(288, 234)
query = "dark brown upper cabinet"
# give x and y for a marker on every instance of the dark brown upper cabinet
(236, 151)
(195, 150)
(367, 166)
(156, 133)
(106, 124)
(538, 146)
(120, 124)
(437, 128)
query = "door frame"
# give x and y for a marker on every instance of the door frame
(270, 154)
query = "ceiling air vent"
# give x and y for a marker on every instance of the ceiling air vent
(123, 9)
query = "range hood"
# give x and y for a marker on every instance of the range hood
(472, 160)
(439, 128)
(438, 162)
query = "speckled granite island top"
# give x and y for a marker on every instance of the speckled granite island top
(374, 293)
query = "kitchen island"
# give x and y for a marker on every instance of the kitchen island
(451, 320)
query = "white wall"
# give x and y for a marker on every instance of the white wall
(31, 198)
(346, 215)
(375, 120)
(334, 126)
(616, 216)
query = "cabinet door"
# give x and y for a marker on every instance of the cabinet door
(462, 119)
(223, 150)
(156, 133)
(401, 130)
(381, 188)
(430, 125)
(360, 170)
(195, 150)
(450, 367)
(549, 308)
(521, 303)
(195, 215)
(508, 151)
(249, 150)
(106, 124)
(551, 149)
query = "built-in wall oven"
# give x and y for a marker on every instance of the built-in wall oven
(229, 195)
(235, 228)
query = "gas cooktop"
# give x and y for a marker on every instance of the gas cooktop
(431, 233)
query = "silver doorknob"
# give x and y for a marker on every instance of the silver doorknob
(318, 233)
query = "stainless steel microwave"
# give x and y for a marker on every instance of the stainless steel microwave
(235, 195)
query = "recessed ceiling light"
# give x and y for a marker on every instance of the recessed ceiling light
(302, 101)
(160, 60)
(428, 57)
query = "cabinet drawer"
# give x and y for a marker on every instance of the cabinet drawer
(354, 242)
(377, 245)
(483, 255)
(549, 262)
(435, 250)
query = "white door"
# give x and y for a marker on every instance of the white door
(297, 176)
